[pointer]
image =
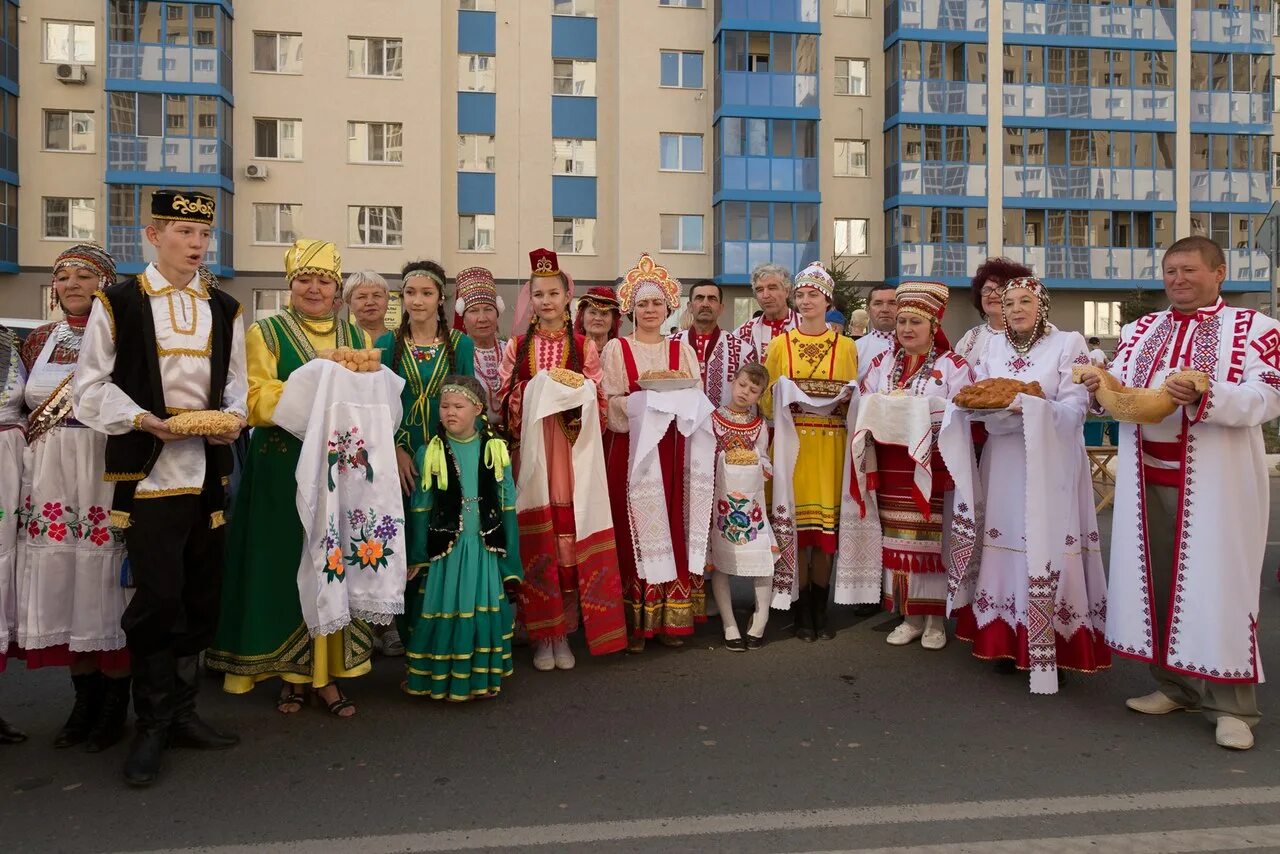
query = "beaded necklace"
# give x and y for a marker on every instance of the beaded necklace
(308, 323)
(919, 378)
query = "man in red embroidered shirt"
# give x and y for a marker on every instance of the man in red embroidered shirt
(1193, 497)
(720, 354)
(771, 283)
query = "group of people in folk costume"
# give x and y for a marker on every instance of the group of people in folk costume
(457, 488)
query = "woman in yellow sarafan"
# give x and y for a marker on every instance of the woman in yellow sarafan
(808, 353)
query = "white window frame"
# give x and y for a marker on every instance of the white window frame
(577, 85)
(680, 65)
(269, 301)
(1275, 168)
(368, 211)
(72, 116)
(75, 26)
(71, 204)
(296, 125)
(477, 5)
(476, 231)
(574, 152)
(681, 249)
(470, 146)
(1093, 318)
(394, 154)
(847, 224)
(480, 76)
(388, 45)
(275, 210)
(279, 52)
(849, 8)
(849, 158)
(683, 4)
(844, 71)
(575, 222)
(577, 8)
(681, 138)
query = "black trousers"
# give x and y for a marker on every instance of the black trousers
(176, 560)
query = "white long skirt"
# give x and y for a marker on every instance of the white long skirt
(69, 557)
(12, 443)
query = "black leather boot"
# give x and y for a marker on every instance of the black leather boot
(804, 616)
(109, 726)
(9, 735)
(153, 696)
(819, 600)
(89, 689)
(188, 730)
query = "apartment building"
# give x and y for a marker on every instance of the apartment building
(714, 134)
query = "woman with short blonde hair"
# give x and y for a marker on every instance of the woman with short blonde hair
(366, 295)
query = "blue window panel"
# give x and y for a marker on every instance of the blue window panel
(572, 117)
(573, 195)
(477, 112)
(476, 193)
(573, 37)
(477, 32)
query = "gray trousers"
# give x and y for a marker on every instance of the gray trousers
(1215, 699)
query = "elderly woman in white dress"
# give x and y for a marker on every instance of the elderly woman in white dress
(1032, 595)
(987, 282)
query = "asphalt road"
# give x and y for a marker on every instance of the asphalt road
(843, 745)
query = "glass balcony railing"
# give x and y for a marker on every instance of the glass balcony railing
(168, 63)
(936, 96)
(1084, 102)
(1087, 182)
(935, 179)
(1231, 27)
(767, 173)
(948, 15)
(756, 89)
(934, 260)
(739, 258)
(168, 154)
(1215, 185)
(1136, 264)
(1230, 107)
(803, 11)
(1092, 20)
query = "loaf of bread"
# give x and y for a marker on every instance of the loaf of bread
(995, 393)
(202, 422)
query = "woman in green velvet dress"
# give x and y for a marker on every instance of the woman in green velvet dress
(464, 561)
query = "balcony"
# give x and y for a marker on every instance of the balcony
(945, 15)
(739, 258)
(780, 11)
(1217, 185)
(780, 174)
(1086, 182)
(938, 97)
(755, 89)
(168, 64)
(1231, 27)
(1092, 20)
(935, 179)
(1231, 107)
(934, 260)
(168, 154)
(1085, 102)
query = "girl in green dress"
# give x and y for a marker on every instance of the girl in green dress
(464, 563)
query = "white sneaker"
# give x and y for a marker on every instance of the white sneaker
(934, 638)
(543, 657)
(1156, 703)
(904, 634)
(563, 655)
(1233, 734)
(392, 646)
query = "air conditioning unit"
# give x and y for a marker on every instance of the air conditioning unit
(255, 171)
(69, 73)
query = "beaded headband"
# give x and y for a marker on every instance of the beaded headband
(462, 390)
(425, 273)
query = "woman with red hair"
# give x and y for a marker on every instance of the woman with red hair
(993, 274)
(599, 317)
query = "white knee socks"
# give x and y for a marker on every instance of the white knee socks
(764, 592)
(724, 601)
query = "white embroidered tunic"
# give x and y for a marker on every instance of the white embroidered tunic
(720, 355)
(869, 346)
(488, 361)
(759, 332)
(973, 344)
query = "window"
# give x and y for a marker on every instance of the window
(680, 152)
(275, 223)
(851, 236)
(475, 233)
(375, 225)
(574, 236)
(682, 233)
(475, 73)
(685, 4)
(475, 152)
(851, 158)
(375, 142)
(1102, 319)
(374, 57)
(1275, 87)
(68, 130)
(68, 219)
(851, 77)
(69, 41)
(681, 69)
(277, 53)
(573, 156)
(478, 5)
(582, 8)
(852, 8)
(573, 77)
(1275, 169)
(277, 139)
(269, 302)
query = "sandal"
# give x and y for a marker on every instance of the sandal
(289, 701)
(338, 706)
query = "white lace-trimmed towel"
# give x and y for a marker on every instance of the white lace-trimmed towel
(786, 449)
(1052, 445)
(891, 419)
(650, 413)
(353, 558)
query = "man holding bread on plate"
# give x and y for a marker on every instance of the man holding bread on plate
(1192, 495)
(162, 373)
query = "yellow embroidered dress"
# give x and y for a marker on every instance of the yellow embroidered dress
(823, 439)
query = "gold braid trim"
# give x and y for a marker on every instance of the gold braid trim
(217, 519)
(166, 493)
(113, 477)
(120, 519)
(111, 315)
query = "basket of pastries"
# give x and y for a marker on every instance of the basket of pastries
(203, 422)
(1138, 405)
(995, 393)
(666, 380)
(741, 457)
(360, 360)
(566, 377)
(820, 388)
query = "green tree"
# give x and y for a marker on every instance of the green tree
(846, 280)
(1138, 303)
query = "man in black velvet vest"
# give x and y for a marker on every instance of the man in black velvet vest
(163, 342)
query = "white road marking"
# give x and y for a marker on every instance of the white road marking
(1165, 842)
(761, 822)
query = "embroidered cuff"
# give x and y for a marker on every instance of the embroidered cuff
(1206, 403)
(137, 419)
